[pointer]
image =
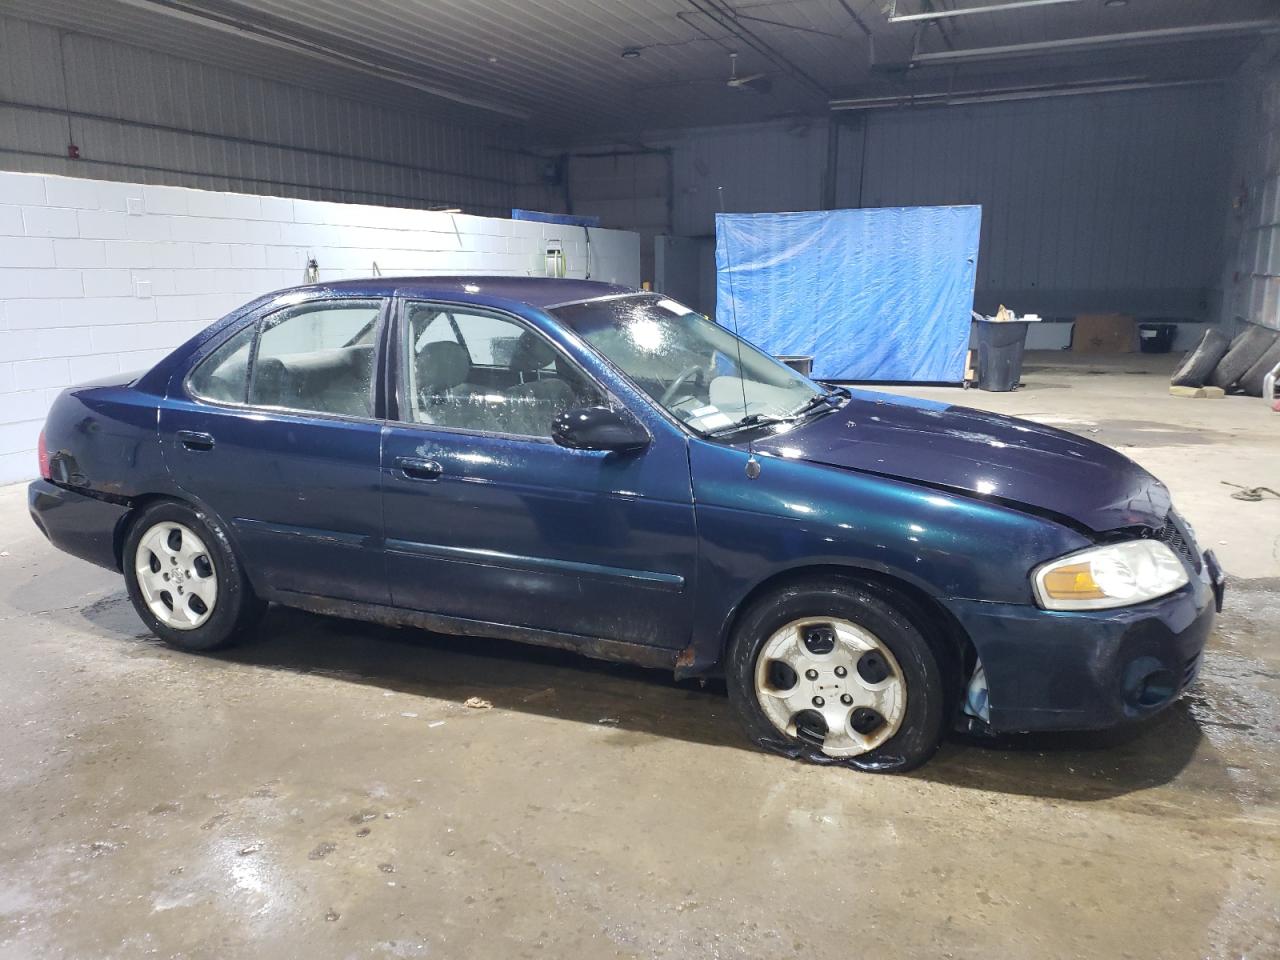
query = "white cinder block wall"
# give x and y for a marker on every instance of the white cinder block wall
(100, 277)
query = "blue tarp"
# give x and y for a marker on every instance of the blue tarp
(879, 294)
(566, 219)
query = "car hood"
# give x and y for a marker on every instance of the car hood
(981, 454)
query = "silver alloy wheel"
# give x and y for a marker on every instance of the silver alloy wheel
(827, 673)
(176, 576)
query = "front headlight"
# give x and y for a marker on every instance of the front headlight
(1115, 575)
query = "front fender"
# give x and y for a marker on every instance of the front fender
(796, 515)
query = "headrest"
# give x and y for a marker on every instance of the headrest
(443, 364)
(531, 353)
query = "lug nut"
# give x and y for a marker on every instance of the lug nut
(811, 674)
(846, 699)
(841, 671)
(166, 576)
(819, 702)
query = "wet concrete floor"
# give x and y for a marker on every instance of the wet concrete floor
(324, 792)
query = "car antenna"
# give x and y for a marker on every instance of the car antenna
(753, 465)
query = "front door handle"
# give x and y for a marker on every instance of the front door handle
(194, 440)
(412, 468)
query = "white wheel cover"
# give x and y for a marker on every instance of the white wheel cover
(831, 685)
(176, 576)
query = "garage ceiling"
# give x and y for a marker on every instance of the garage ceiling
(556, 67)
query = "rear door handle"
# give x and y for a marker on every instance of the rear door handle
(412, 468)
(194, 440)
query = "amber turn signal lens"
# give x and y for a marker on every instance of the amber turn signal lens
(1074, 582)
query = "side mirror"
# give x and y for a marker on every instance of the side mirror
(598, 428)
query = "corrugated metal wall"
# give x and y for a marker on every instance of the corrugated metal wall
(1252, 281)
(1108, 202)
(246, 134)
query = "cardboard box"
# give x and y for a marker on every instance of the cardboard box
(1104, 333)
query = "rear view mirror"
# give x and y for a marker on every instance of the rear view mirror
(598, 428)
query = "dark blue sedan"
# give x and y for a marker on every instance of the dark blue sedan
(602, 469)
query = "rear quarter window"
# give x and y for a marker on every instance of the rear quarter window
(223, 376)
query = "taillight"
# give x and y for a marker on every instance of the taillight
(42, 449)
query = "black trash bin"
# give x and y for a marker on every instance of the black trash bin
(1156, 337)
(1000, 347)
(800, 364)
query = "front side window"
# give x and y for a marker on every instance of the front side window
(472, 370)
(315, 357)
(699, 371)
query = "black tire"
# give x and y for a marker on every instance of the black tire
(237, 609)
(1251, 382)
(1197, 366)
(1245, 350)
(874, 609)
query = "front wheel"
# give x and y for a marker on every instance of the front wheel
(836, 672)
(185, 581)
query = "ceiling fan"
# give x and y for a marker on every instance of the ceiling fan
(756, 82)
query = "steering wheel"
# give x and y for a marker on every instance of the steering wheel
(671, 393)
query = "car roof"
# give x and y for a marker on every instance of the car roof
(534, 291)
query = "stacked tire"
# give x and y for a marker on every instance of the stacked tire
(1237, 365)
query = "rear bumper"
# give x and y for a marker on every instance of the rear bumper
(1050, 670)
(83, 526)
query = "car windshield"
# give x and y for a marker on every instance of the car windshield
(695, 368)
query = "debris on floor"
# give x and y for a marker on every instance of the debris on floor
(1198, 393)
(1251, 494)
(322, 850)
(478, 703)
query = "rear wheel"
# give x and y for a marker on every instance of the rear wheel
(185, 581)
(837, 672)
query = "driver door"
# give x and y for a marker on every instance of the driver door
(487, 519)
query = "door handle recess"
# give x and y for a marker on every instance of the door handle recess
(411, 468)
(194, 440)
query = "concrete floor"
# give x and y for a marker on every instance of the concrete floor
(325, 793)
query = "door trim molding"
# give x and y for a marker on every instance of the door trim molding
(336, 537)
(645, 579)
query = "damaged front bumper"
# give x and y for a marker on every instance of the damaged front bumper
(1082, 670)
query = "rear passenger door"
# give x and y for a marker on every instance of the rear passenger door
(276, 429)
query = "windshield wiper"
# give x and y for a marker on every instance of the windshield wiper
(818, 399)
(763, 419)
(750, 420)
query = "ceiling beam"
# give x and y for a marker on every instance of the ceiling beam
(1166, 35)
(367, 64)
(1000, 94)
(895, 17)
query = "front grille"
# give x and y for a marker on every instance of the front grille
(1175, 536)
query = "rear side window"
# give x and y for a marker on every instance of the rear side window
(315, 357)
